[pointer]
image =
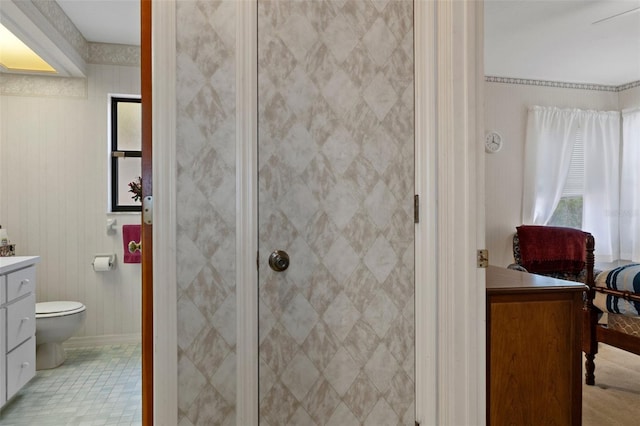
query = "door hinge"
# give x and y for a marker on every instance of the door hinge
(147, 210)
(483, 258)
(416, 208)
(258, 260)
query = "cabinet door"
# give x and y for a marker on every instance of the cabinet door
(21, 321)
(21, 366)
(3, 289)
(3, 354)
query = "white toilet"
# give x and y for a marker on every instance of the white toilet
(55, 323)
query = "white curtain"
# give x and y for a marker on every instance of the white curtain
(551, 133)
(630, 186)
(601, 199)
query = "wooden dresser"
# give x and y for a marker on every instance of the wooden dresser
(534, 356)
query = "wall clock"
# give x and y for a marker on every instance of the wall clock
(492, 142)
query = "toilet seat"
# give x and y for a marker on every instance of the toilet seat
(58, 309)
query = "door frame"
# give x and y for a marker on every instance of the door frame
(247, 348)
(165, 334)
(460, 365)
(426, 233)
(450, 291)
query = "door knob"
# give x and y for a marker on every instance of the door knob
(133, 246)
(279, 260)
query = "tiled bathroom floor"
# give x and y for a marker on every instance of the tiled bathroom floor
(95, 386)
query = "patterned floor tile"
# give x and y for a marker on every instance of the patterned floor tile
(95, 386)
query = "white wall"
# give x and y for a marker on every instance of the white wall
(53, 193)
(506, 112)
(629, 98)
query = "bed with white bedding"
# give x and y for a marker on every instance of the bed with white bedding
(625, 281)
(615, 292)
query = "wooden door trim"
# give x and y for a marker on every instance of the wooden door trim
(146, 233)
(164, 336)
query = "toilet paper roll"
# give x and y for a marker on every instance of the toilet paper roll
(102, 264)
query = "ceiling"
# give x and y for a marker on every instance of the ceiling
(105, 21)
(554, 40)
(558, 40)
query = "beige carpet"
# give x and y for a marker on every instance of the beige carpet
(615, 398)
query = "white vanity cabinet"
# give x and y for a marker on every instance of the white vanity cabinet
(17, 323)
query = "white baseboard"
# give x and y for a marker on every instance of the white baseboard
(112, 339)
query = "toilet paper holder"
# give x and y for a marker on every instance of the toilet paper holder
(111, 256)
(111, 226)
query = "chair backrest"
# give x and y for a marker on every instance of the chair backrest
(552, 250)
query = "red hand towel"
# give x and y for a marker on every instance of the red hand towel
(131, 233)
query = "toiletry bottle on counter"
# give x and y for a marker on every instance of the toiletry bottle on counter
(4, 238)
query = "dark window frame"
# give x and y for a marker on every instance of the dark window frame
(116, 154)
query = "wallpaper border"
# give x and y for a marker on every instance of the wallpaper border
(46, 86)
(114, 54)
(562, 84)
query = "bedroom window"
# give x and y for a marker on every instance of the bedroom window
(585, 147)
(125, 154)
(569, 210)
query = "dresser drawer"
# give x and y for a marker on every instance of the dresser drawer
(21, 321)
(20, 283)
(21, 366)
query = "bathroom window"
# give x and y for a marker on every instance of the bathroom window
(125, 154)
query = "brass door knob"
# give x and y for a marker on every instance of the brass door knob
(133, 246)
(279, 260)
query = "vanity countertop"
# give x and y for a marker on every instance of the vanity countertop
(11, 263)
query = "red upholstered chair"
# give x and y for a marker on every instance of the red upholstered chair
(553, 251)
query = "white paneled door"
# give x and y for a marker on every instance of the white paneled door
(336, 185)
